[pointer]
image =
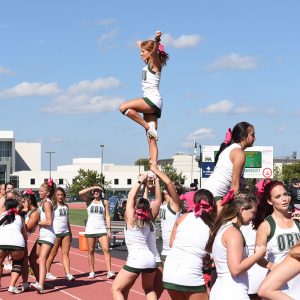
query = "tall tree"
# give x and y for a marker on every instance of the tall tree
(87, 178)
(290, 171)
(143, 162)
(173, 173)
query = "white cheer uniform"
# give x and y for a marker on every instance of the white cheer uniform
(256, 274)
(219, 181)
(46, 232)
(184, 262)
(150, 86)
(96, 216)
(280, 241)
(61, 219)
(227, 287)
(138, 242)
(168, 217)
(11, 235)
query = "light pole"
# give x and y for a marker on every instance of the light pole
(102, 146)
(50, 160)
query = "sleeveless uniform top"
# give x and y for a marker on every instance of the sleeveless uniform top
(95, 222)
(280, 241)
(220, 180)
(61, 219)
(256, 274)
(227, 287)
(46, 232)
(184, 262)
(138, 242)
(11, 234)
(168, 217)
(150, 86)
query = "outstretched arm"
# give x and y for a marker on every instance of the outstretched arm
(168, 184)
(154, 53)
(155, 204)
(132, 196)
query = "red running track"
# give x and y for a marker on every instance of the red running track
(80, 289)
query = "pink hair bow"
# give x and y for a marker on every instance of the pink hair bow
(50, 182)
(12, 211)
(161, 48)
(228, 197)
(228, 136)
(141, 214)
(28, 192)
(261, 187)
(201, 207)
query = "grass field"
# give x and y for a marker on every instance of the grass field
(77, 216)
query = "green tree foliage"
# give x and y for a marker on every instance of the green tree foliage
(172, 173)
(143, 162)
(290, 171)
(86, 178)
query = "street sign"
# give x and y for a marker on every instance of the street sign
(207, 169)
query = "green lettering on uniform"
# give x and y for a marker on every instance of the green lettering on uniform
(162, 214)
(290, 240)
(281, 243)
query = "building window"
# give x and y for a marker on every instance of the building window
(32, 181)
(196, 181)
(60, 181)
(116, 181)
(129, 181)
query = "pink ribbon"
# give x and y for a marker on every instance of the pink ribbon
(228, 197)
(50, 182)
(228, 136)
(161, 48)
(261, 187)
(12, 211)
(141, 214)
(201, 207)
(28, 192)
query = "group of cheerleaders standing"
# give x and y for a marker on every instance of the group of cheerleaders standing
(250, 236)
(19, 218)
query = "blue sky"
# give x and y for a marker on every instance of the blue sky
(66, 65)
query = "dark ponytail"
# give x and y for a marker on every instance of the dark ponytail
(11, 211)
(239, 133)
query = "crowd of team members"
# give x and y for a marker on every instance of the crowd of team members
(21, 216)
(221, 245)
(229, 243)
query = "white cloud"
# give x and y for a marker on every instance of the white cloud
(91, 86)
(6, 71)
(271, 111)
(199, 134)
(82, 103)
(184, 41)
(26, 89)
(79, 98)
(234, 61)
(223, 106)
(56, 140)
(107, 22)
(281, 130)
(244, 110)
(107, 40)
